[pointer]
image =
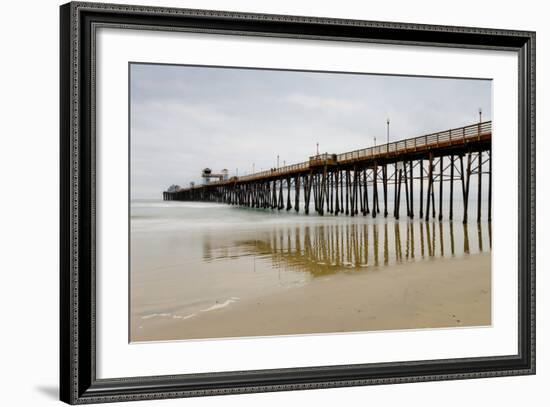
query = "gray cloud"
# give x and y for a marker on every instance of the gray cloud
(186, 118)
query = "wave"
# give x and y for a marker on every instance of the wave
(217, 305)
(221, 305)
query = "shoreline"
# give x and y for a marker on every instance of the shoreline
(438, 293)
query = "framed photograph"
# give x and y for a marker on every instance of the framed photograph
(255, 203)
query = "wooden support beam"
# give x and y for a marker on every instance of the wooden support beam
(421, 162)
(352, 193)
(374, 190)
(355, 189)
(337, 205)
(331, 189)
(315, 192)
(281, 202)
(360, 192)
(479, 173)
(433, 197)
(398, 194)
(377, 195)
(261, 195)
(466, 188)
(342, 191)
(326, 189)
(322, 188)
(395, 191)
(308, 179)
(411, 190)
(385, 186)
(462, 178)
(297, 193)
(430, 186)
(288, 205)
(406, 188)
(452, 187)
(347, 192)
(366, 192)
(440, 188)
(274, 195)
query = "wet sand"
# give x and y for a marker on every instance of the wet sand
(437, 293)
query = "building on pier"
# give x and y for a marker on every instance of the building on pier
(208, 175)
(173, 188)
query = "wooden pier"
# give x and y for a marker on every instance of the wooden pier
(357, 182)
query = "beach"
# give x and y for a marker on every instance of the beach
(436, 294)
(203, 271)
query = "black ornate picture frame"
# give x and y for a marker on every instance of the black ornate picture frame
(78, 380)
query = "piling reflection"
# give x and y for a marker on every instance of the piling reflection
(328, 248)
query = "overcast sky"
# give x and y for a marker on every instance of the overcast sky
(184, 119)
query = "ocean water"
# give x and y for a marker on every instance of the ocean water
(188, 258)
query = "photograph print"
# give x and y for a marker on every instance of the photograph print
(276, 202)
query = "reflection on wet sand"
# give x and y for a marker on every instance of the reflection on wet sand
(324, 248)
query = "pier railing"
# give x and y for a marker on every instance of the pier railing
(460, 134)
(288, 169)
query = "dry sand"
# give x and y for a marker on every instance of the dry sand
(432, 294)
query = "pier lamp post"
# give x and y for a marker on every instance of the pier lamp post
(277, 161)
(374, 141)
(480, 111)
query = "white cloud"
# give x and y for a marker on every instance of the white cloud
(323, 103)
